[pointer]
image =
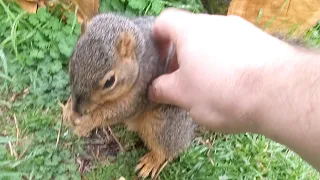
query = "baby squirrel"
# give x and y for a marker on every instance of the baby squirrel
(111, 68)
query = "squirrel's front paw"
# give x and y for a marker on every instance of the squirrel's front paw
(151, 164)
(83, 126)
(80, 125)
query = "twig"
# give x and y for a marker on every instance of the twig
(107, 137)
(160, 169)
(82, 166)
(13, 98)
(23, 94)
(58, 137)
(98, 152)
(210, 147)
(98, 135)
(12, 150)
(210, 159)
(17, 127)
(115, 138)
(10, 146)
(61, 105)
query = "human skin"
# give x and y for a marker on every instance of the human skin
(234, 78)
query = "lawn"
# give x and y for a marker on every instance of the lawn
(34, 51)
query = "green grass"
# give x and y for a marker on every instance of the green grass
(34, 51)
(230, 157)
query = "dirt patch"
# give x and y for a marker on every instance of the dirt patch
(101, 145)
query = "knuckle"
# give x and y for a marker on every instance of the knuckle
(235, 18)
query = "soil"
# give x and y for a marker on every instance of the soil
(100, 145)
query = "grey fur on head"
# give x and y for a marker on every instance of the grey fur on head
(95, 50)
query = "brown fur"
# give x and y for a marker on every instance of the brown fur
(126, 46)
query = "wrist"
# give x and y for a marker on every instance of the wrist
(267, 86)
(288, 107)
(288, 95)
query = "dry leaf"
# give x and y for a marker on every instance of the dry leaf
(86, 8)
(23, 94)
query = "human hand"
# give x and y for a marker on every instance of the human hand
(218, 68)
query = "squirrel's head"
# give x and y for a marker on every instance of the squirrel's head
(105, 63)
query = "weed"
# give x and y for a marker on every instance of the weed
(148, 7)
(34, 51)
(38, 46)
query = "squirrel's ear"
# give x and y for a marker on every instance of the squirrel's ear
(126, 45)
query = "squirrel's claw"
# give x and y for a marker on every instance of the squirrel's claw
(151, 164)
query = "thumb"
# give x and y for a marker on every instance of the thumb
(166, 89)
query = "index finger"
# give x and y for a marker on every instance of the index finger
(167, 28)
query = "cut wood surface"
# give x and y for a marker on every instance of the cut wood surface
(29, 6)
(278, 15)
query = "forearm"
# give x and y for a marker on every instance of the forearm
(289, 104)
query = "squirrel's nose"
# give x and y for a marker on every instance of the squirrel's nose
(80, 104)
(80, 110)
(77, 107)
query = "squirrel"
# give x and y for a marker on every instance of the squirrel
(111, 68)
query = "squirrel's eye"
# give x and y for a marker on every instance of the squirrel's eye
(109, 83)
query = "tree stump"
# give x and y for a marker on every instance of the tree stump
(278, 16)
